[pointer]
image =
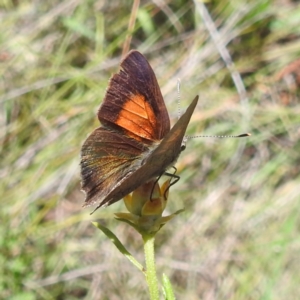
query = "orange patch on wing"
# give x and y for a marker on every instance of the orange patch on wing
(136, 105)
(137, 116)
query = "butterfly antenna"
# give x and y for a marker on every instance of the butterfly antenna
(219, 136)
(178, 98)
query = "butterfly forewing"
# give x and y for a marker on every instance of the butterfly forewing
(134, 101)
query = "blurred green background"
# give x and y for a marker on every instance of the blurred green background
(239, 235)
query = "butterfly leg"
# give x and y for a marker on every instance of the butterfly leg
(176, 179)
(155, 182)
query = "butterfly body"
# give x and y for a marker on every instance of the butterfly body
(134, 143)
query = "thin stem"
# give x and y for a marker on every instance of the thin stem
(151, 276)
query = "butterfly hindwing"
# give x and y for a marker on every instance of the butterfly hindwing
(107, 158)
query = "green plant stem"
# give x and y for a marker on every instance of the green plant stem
(151, 276)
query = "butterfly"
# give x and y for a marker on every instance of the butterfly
(134, 143)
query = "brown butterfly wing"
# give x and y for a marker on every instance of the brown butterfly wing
(107, 158)
(134, 101)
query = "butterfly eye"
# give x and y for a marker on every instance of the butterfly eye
(182, 147)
